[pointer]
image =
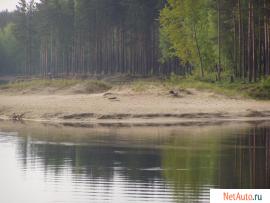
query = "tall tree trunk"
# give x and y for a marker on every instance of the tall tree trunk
(198, 50)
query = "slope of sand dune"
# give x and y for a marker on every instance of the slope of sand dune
(123, 105)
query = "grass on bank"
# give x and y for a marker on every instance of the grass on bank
(87, 86)
(259, 90)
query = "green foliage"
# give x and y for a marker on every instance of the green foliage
(187, 32)
(223, 32)
(260, 90)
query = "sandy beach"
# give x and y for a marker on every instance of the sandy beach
(123, 105)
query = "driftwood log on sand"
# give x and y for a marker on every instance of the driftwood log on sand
(17, 117)
(110, 96)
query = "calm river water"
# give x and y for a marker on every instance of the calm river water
(43, 163)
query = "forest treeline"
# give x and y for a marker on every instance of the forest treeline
(217, 38)
(229, 37)
(79, 37)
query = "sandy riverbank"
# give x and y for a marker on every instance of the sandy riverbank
(123, 105)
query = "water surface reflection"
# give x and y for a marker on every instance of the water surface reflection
(60, 164)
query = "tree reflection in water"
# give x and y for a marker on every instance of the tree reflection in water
(190, 164)
(238, 160)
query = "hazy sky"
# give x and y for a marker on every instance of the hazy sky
(8, 4)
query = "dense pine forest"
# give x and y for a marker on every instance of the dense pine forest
(217, 38)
